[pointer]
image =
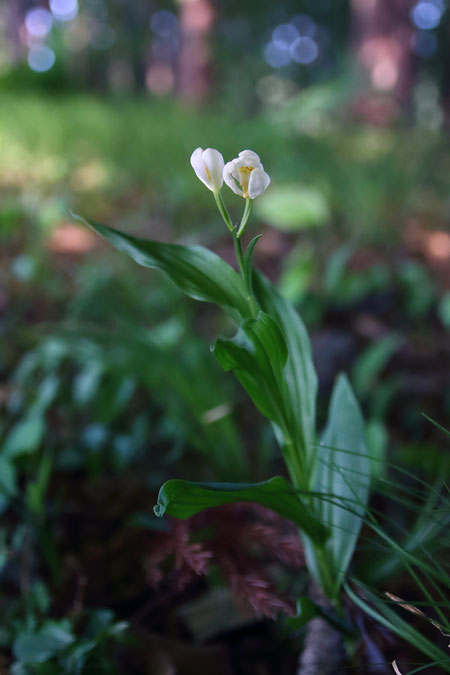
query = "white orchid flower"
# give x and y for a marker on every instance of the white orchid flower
(208, 165)
(245, 175)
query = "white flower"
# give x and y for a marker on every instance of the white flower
(208, 165)
(245, 175)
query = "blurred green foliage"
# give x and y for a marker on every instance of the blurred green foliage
(106, 381)
(67, 152)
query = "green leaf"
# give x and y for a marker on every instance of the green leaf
(299, 373)
(257, 354)
(248, 258)
(45, 394)
(293, 207)
(182, 499)
(377, 443)
(336, 268)
(198, 272)
(343, 478)
(25, 436)
(444, 309)
(382, 612)
(35, 491)
(371, 362)
(41, 646)
(8, 481)
(307, 610)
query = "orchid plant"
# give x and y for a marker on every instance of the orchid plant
(329, 483)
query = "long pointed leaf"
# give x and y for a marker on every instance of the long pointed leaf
(343, 477)
(197, 271)
(257, 354)
(299, 372)
(182, 499)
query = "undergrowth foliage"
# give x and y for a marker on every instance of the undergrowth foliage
(327, 494)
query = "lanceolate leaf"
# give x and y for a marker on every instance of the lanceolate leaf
(198, 272)
(248, 258)
(257, 355)
(182, 499)
(343, 478)
(299, 372)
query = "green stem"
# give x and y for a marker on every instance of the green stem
(240, 258)
(239, 255)
(237, 245)
(245, 217)
(224, 212)
(326, 575)
(294, 464)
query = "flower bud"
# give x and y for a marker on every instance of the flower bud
(208, 165)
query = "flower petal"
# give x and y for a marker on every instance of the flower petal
(258, 183)
(214, 163)
(250, 158)
(199, 167)
(230, 176)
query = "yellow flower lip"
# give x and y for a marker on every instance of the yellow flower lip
(244, 174)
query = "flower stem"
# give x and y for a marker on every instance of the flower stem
(224, 211)
(239, 255)
(235, 233)
(245, 278)
(245, 216)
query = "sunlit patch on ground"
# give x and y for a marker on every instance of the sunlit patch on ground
(67, 238)
(90, 176)
(434, 245)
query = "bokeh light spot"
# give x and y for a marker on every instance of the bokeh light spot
(277, 56)
(64, 10)
(160, 79)
(38, 22)
(426, 14)
(163, 23)
(68, 238)
(304, 50)
(284, 35)
(385, 74)
(41, 58)
(438, 245)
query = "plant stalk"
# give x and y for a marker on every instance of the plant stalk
(224, 212)
(245, 217)
(246, 279)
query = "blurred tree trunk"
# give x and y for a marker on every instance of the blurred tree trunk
(13, 21)
(196, 19)
(445, 75)
(130, 21)
(382, 36)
